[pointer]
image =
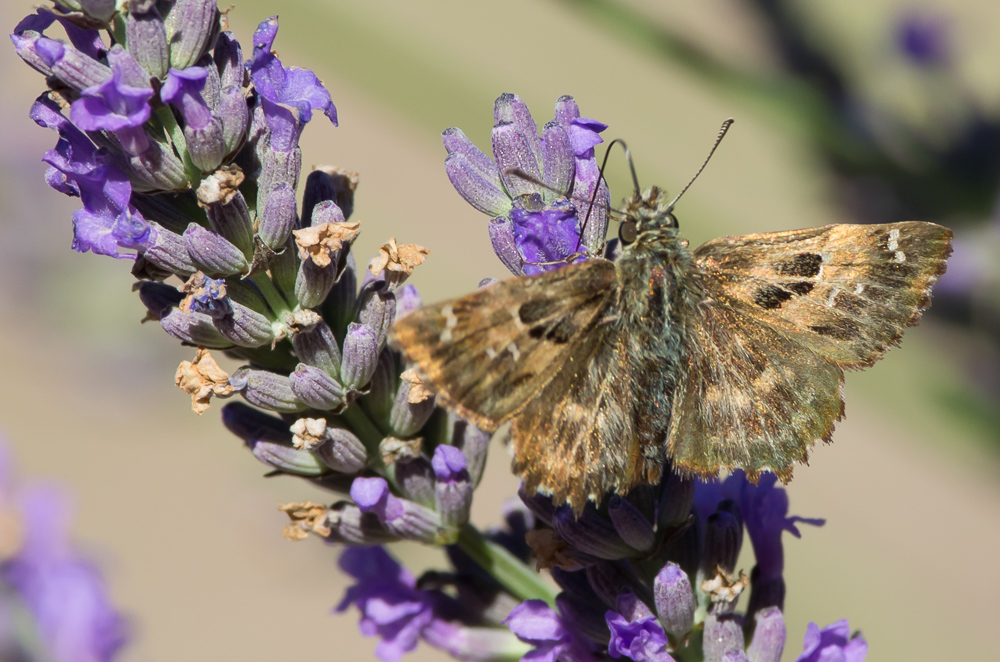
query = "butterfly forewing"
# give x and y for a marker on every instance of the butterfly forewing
(844, 291)
(488, 353)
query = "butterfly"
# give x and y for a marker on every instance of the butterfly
(730, 356)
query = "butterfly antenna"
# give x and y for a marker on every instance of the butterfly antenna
(600, 178)
(722, 134)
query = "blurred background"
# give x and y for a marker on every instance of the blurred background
(845, 112)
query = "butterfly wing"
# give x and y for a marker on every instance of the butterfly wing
(845, 291)
(589, 430)
(782, 314)
(488, 353)
(750, 397)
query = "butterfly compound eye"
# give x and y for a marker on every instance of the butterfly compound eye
(627, 232)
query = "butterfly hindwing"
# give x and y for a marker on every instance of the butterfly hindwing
(588, 432)
(845, 291)
(488, 353)
(750, 397)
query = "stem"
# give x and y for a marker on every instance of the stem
(518, 578)
(271, 295)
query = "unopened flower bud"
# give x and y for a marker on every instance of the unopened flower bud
(591, 534)
(266, 390)
(157, 168)
(317, 389)
(676, 498)
(723, 538)
(381, 393)
(768, 636)
(674, 600)
(631, 524)
(502, 237)
(231, 219)
(341, 302)
(194, 328)
(278, 216)
(192, 26)
(405, 518)
(146, 37)
(102, 10)
(610, 578)
(228, 56)
(723, 633)
(168, 251)
(337, 447)
(319, 188)
(416, 480)
(474, 444)
(411, 408)
(352, 526)
(453, 491)
(159, 298)
(269, 439)
(212, 253)
(232, 111)
(245, 327)
(361, 354)
(377, 309)
(318, 347)
(558, 162)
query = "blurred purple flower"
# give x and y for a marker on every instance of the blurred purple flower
(63, 592)
(289, 96)
(833, 643)
(390, 604)
(535, 623)
(923, 38)
(642, 639)
(544, 233)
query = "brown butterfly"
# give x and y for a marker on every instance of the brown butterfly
(729, 356)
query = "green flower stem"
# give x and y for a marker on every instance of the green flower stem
(369, 434)
(272, 295)
(518, 578)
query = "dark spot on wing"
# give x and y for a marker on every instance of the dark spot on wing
(536, 331)
(801, 287)
(561, 332)
(804, 264)
(533, 311)
(770, 297)
(843, 330)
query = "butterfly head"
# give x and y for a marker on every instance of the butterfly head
(648, 215)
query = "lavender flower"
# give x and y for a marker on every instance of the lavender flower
(923, 39)
(539, 188)
(62, 592)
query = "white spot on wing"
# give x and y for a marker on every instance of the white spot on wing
(450, 322)
(893, 240)
(491, 353)
(859, 288)
(514, 351)
(899, 257)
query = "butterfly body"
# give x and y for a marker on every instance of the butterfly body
(729, 356)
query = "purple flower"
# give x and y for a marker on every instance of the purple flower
(544, 233)
(107, 221)
(535, 623)
(538, 188)
(115, 106)
(85, 40)
(833, 643)
(923, 38)
(183, 89)
(386, 595)
(289, 96)
(642, 640)
(64, 593)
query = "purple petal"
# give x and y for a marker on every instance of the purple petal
(448, 462)
(535, 622)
